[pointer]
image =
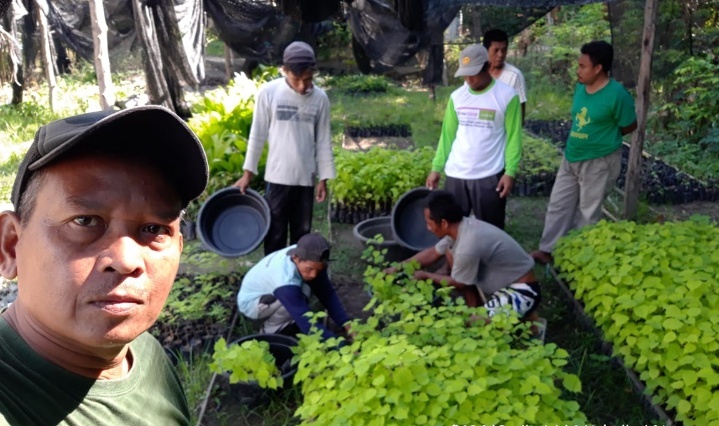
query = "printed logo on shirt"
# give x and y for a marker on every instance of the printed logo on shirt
(486, 114)
(580, 120)
(476, 117)
(286, 112)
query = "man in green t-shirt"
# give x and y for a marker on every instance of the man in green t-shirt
(94, 242)
(602, 112)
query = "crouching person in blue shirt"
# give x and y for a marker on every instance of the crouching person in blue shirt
(278, 287)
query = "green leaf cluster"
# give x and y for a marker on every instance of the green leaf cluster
(250, 361)
(652, 291)
(538, 156)
(372, 177)
(200, 297)
(415, 362)
(222, 119)
(359, 83)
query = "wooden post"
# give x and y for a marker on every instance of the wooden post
(229, 68)
(102, 55)
(42, 10)
(634, 165)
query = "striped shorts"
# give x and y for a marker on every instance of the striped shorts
(522, 297)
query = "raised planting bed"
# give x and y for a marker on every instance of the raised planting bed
(661, 182)
(606, 348)
(369, 183)
(197, 313)
(415, 362)
(651, 289)
(379, 130)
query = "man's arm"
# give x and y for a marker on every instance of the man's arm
(259, 131)
(294, 301)
(322, 287)
(450, 124)
(513, 149)
(445, 280)
(629, 129)
(425, 258)
(324, 157)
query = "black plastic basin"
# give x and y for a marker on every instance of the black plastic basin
(408, 225)
(233, 224)
(368, 229)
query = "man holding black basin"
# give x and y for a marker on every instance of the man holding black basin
(276, 290)
(487, 266)
(293, 116)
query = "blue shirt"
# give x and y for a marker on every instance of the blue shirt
(277, 274)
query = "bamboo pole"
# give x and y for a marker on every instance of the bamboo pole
(228, 63)
(634, 165)
(102, 55)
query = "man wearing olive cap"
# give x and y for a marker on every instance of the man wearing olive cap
(95, 244)
(293, 116)
(480, 145)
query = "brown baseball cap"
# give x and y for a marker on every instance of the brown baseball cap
(313, 247)
(155, 132)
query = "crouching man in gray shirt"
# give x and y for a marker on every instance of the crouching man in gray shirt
(486, 265)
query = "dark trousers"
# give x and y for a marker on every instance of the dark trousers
(289, 205)
(479, 196)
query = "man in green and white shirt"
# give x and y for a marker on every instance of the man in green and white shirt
(480, 145)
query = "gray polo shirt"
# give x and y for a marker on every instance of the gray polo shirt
(485, 256)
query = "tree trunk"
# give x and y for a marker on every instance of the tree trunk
(18, 78)
(102, 55)
(634, 165)
(42, 9)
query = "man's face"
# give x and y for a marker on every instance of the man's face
(98, 256)
(587, 73)
(477, 82)
(301, 83)
(438, 229)
(497, 53)
(309, 270)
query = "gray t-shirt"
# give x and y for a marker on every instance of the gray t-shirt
(485, 256)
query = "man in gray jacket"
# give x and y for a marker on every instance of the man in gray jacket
(293, 116)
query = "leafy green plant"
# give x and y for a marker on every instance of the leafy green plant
(373, 177)
(203, 296)
(415, 361)
(650, 288)
(538, 156)
(250, 361)
(222, 121)
(359, 83)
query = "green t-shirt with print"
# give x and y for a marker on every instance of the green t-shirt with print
(597, 120)
(34, 391)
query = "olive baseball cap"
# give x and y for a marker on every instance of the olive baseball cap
(154, 132)
(471, 60)
(313, 247)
